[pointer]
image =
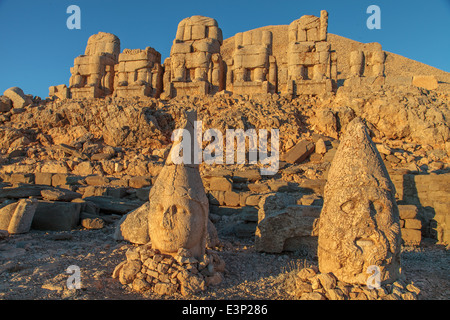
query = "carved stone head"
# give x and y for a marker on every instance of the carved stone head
(179, 209)
(359, 223)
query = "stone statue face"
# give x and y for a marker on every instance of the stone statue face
(362, 231)
(176, 222)
(359, 224)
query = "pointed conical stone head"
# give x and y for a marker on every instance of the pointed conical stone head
(178, 210)
(359, 223)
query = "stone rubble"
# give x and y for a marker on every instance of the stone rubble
(147, 269)
(310, 284)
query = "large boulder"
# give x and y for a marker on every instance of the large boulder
(285, 226)
(18, 98)
(56, 216)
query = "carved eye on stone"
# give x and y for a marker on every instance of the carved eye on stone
(348, 206)
(377, 206)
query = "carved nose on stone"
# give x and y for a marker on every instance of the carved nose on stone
(169, 217)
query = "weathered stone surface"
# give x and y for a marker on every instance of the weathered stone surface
(60, 92)
(93, 72)
(407, 211)
(23, 216)
(252, 68)
(18, 98)
(23, 191)
(139, 73)
(281, 229)
(57, 216)
(195, 66)
(114, 205)
(220, 184)
(359, 224)
(97, 180)
(133, 226)
(427, 82)
(17, 217)
(6, 213)
(411, 237)
(60, 194)
(5, 104)
(92, 223)
(299, 152)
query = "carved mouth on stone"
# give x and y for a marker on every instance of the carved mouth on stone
(364, 242)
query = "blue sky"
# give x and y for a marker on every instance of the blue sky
(37, 49)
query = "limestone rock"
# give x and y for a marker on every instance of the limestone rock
(284, 229)
(57, 216)
(17, 217)
(5, 104)
(18, 98)
(359, 223)
(60, 195)
(299, 152)
(92, 223)
(321, 148)
(427, 82)
(133, 226)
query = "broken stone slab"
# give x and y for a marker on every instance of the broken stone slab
(6, 213)
(27, 178)
(133, 227)
(23, 216)
(251, 175)
(17, 217)
(56, 216)
(101, 156)
(407, 211)
(139, 182)
(279, 229)
(44, 178)
(22, 191)
(114, 205)
(97, 181)
(299, 152)
(64, 179)
(72, 151)
(60, 194)
(220, 184)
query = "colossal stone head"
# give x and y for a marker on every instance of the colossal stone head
(359, 223)
(179, 207)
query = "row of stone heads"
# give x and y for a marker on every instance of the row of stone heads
(196, 66)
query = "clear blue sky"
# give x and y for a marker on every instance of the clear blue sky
(37, 49)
